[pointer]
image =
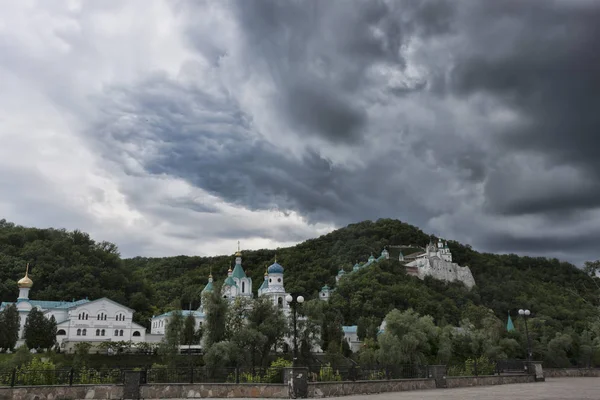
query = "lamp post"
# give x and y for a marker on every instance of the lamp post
(293, 301)
(525, 314)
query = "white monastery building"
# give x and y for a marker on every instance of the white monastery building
(83, 320)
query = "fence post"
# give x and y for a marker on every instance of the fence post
(237, 374)
(475, 366)
(13, 377)
(192, 373)
(71, 376)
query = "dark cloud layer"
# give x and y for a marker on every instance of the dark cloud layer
(465, 118)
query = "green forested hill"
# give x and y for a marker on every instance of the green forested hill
(67, 265)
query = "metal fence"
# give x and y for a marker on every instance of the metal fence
(84, 376)
(317, 373)
(63, 376)
(367, 373)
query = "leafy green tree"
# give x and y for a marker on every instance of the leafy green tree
(368, 328)
(169, 345)
(36, 330)
(407, 338)
(10, 322)
(269, 321)
(50, 333)
(556, 355)
(216, 308)
(189, 330)
(592, 267)
(220, 355)
(82, 354)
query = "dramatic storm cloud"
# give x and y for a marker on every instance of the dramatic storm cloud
(181, 127)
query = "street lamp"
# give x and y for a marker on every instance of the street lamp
(525, 314)
(293, 302)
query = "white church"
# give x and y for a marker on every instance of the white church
(81, 320)
(237, 284)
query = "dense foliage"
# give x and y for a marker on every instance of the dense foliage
(564, 299)
(10, 322)
(39, 332)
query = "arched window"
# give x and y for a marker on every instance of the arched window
(137, 333)
(84, 332)
(61, 332)
(86, 316)
(280, 301)
(78, 332)
(243, 287)
(97, 332)
(116, 332)
(103, 332)
(121, 332)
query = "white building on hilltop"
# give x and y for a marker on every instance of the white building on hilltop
(436, 262)
(80, 321)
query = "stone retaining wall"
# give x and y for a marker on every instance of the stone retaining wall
(224, 390)
(109, 392)
(571, 372)
(163, 391)
(221, 390)
(466, 381)
(331, 389)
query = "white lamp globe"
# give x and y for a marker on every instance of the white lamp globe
(527, 312)
(289, 298)
(300, 299)
(521, 312)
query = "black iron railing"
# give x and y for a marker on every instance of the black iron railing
(317, 373)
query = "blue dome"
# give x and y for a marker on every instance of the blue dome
(275, 269)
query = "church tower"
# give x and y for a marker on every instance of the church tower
(206, 292)
(24, 285)
(274, 282)
(230, 289)
(243, 282)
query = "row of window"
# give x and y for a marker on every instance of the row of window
(101, 317)
(99, 332)
(161, 323)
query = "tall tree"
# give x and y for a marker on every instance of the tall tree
(169, 345)
(50, 333)
(268, 320)
(10, 322)
(35, 330)
(216, 317)
(189, 330)
(407, 338)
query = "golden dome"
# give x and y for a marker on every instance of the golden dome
(238, 254)
(25, 282)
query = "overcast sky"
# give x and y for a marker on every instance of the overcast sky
(181, 127)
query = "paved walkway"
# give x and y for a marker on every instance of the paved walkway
(552, 389)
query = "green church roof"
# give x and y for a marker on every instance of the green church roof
(265, 285)
(238, 272)
(229, 282)
(208, 287)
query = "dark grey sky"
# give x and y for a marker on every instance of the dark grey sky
(181, 127)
